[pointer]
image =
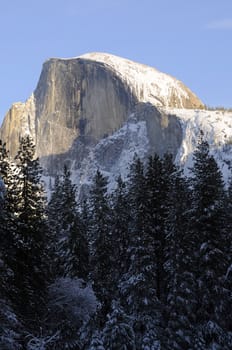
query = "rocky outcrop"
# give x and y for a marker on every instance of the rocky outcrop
(19, 120)
(147, 130)
(77, 98)
(80, 101)
(73, 98)
(147, 83)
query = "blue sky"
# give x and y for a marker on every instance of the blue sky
(191, 40)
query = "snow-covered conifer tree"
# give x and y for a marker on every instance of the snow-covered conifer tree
(208, 231)
(29, 265)
(138, 284)
(180, 281)
(96, 342)
(70, 244)
(101, 260)
(118, 333)
(120, 230)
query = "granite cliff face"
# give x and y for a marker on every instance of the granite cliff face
(73, 98)
(89, 96)
(19, 120)
(96, 111)
(147, 83)
(77, 98)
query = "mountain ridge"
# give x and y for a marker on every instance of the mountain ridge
(80, 103)
(135, 71)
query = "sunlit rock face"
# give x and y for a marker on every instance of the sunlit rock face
(80, 103)
(73, 98)
(78, 98)
(19, 120)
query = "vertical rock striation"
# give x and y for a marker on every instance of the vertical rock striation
(82, 100)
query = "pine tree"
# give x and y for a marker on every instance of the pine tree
(10, 326)
(101, 261)
(151, 338)
(138, 285)
(54, 213)
(211, 336)
(156, 210)
(30, 254)
(96, 342)
(209, 234)
(228, 252)
(117, 333)
(160, 175)
(85, 217)
(120, 230)
(76, 262)
(4, 166)
(181, 289)
(8, 197)
(4, 241)
(70, 246)
(55, 206)
(137, 196)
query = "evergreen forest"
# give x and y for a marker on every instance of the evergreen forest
(147, 266)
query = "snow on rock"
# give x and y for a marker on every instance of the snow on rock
(148, 84)
(217, 129)
(114, 154)
(56, 132)
(122, 146)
